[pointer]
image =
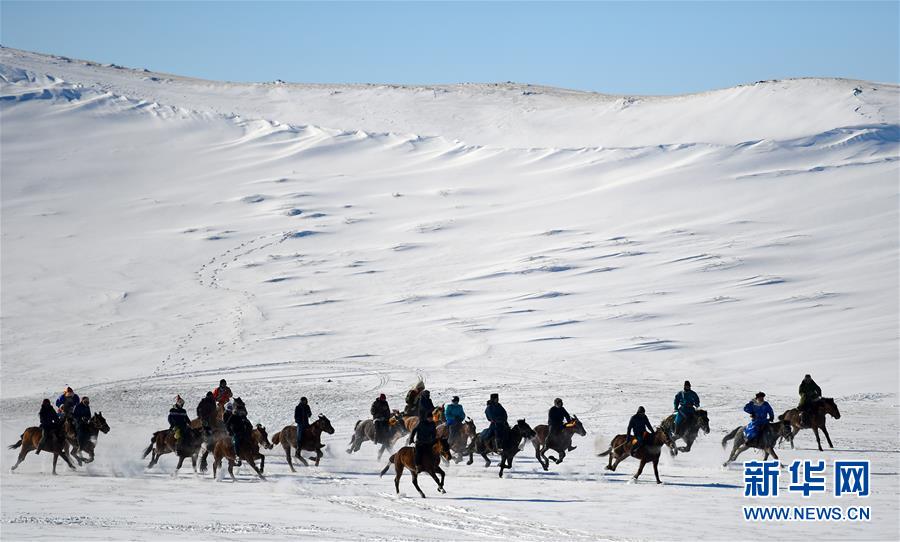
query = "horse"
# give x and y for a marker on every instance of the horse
(259, 434)
(459, 442)
(163, 442)
(690, 430)
(312, 440)
(765, 440)
(364, 430)
(95, 426)
(820, 408)
(248, 450)
(510, 447)
(620, 448)
(406, 458)
(55, 443)
(561, 444)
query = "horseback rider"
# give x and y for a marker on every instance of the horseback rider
(302, 414)
(206, 412)
(426, 407)
(50, 423)
(810, 392)
(81, 415)
(238, 427)
(67, 402)
(557, 417)
(222, 394)
(425, 434)
(178, 423)
(761, 414)
(381, 413)
(455, 416)
(686, 403)
(497, 417)
(636, 427)
(412, 399)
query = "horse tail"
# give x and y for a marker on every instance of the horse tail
(386, 467)
(276, 438)
(19, 443)
(149, 448)
(607, 452)
(357, 424)
(729, 436)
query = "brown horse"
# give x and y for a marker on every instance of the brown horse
(96, 425)
(312, 440)
(259, 434)
(690, 430)
(406, 458)
(55, 443)
(765, 440)
(560, 444)
(364, 430)
(620, 448)
(459, 442)
(248, 451)
(819, 409)
(163, 442)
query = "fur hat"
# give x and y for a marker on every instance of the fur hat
(85, 400)
(179, 401)
(687, 383)
(495, 397)
(760, 395)
(455, 399)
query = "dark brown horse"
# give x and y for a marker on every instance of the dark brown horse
(459, 442)
(163, 442)
(819, 409)
(364, 430)
(218, 431)
(689, 430)
(508, 448)
(95, 426)
(55, 444)
(620, 448)
(764, 441)
(312, 440)
(561, 444)
(248, 450)
(406, 458)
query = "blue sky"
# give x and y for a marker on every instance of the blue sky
(628, 48)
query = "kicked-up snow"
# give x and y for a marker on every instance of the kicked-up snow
(337, 241)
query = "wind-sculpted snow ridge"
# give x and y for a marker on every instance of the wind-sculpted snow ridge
(160, 233)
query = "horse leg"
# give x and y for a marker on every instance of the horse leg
(415, 477)
(443, 474)
(827, 437)
(562, 455)
(286, 446)
(262, 463)
(735, 452)
(436, 481)
(794, 431)
(258, 470)
(55, 458)
(194, 462)
(398, 467)
(772, 451)
(640, 469)
(818, 440)
(656, 470)
(180, 462)
(22, 455)
(538, 452)
(231, 469)
(619, 459)
(318, 457)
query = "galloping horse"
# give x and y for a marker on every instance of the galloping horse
(560, 444)
(218, 431)
(364, 430)
(820, 408)
(508, 449)
(690, 430)
(620, 448)
(248, 450)
(765, 440)
(55, 443)
(312, 440)
(459, 443)
(95, 426)
(406, 458)
(163, 442)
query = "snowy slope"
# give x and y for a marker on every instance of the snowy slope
(160, 232)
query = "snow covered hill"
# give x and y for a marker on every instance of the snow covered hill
(336, 241)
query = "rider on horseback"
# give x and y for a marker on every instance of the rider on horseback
(50, 424)
(455, 416)
(686, 403)
(206, 412)
(425, 434)
(302, 414)
(67, 402)
(381, 413)
(761, 414)
(426, 407)
(178, 423)
(496, 415)
(81, 415)
(222, 394)
(810, 392)
(557, 417)
(412, 399)
(238, 427)
(636, 427)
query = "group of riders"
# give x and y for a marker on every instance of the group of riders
(77, 411)
(70, 409)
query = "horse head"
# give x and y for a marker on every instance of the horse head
(99, 422)
(577, 426)
(264, 437)
(703, 419)
(524, 429)
(662, 437)
(831, 408)
(325, 423)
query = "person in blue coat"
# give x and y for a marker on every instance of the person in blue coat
(455, 416)
(686, 403)
(81, 414)
(761, 413)
(67, 402)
